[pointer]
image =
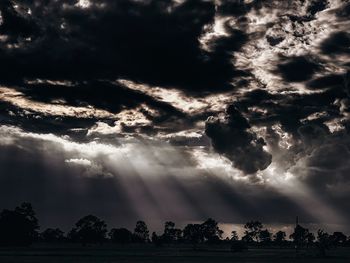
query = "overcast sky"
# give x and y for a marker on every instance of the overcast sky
(176, 109)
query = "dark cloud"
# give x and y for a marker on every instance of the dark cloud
(313, 135)
(289, 113)
(15, 23)
(298, 69)
(273, 41)
(344, 11)
(337, 43)
(333, 81)
(317, 6)
(234, 7)
(292, 111)
(231, 137)
(99, 94)
(154, 42)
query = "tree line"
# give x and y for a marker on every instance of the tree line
(20, 227)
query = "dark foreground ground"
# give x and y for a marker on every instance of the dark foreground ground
(147, 254)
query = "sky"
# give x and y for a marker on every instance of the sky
(176, 110)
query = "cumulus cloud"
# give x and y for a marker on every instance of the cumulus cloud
(231, 137)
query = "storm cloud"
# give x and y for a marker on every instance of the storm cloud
(228, 109)
(232, 138)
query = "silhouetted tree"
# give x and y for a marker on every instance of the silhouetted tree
(247, 238)
(89, 229)
(252, 231)
(171, 234)
(193, 233)
(338, 238)
(300, 236)
(178, 234)
(51, 235)
(323, 242)
(18, 227)
(27, 211)
(279, 238)
(120, 235)
(141, 233)
(310, 238)
(211, 231)
(265, 236)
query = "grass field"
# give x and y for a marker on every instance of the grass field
(148, 254)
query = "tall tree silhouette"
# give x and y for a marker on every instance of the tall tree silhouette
(171, 234)
(18, 227)
(252, 231)
(265, 236)
(300, 236)
(89, 229)
(279, 238)
(141, 233)
(310, 238)
(193, 233)
(211, 231)
(324, 242)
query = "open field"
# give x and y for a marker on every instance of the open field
(148, 254)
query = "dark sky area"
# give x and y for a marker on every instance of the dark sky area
(176, 109)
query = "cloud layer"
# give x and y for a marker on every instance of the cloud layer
(227, 106)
